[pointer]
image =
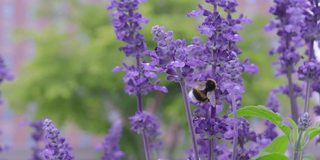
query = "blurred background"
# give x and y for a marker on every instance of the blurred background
(62, 53)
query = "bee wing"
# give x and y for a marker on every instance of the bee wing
(212, 98)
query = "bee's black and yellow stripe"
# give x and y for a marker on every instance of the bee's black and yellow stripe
(199, 95)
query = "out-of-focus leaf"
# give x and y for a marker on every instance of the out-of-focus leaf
(273, 156)
(278, 145)
(264, 113)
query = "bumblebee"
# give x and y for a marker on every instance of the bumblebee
(199, 94)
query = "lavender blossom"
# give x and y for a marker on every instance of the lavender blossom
(317, 110)
(56, 146)
(310, 70)
(111, 149)
(304, 121)
(141, 77)
(218, 59)
(3, 147)
(37, 137)
(289, 24)
(5, 75)
(172, 56)
(273, 104)
(146, 123)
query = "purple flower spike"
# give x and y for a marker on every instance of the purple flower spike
(5, 75)
(37, 137)
(143, 122)
(140, 78)
(111, 149)
(310, 70)
(56, 146)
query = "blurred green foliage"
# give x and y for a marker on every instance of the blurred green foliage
(70, 79)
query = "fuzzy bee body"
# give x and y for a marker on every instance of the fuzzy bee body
(200, 95)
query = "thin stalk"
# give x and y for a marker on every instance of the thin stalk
(235, 128)
(211, 149)
(189, 117)
(146, 145)
(307, 101)
(145, 140)
(292, 97)
(212, 111)
(297, 150)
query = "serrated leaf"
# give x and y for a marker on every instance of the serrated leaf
(263, 113)
(273, 156)
(278, 145)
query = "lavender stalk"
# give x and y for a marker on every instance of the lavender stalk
(289, 24)
(235, 128)
(140, 78)
(189, 118)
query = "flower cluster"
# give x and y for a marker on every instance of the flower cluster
(310, 70)
(146, 123)
(171, 55)
(297, 25)
(304, 121)
(217, 58)
(37, 137)
(111, 149)
(289, 24)
(56, 146)
(5, 75)
(140, 78)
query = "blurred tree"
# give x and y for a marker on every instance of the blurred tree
(70, 78)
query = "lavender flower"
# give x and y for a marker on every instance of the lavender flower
(5, 75)
(317, 110)
(56, 146)
(289, 24)
(3, 147)
(37, 137)
(141, 77)
(146, 123)
(171, 55)
(127, 22)
(304, 121)
(111, 149)
(310, 70)
(218, 59)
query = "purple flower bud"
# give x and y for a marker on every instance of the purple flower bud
(37, 136)
(146, 123)
(110, 146)
(310, 70)
(304, 121)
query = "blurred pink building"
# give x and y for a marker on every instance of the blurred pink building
(15, 15)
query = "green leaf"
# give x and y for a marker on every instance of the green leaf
(313, 132)
(294, 128)
(278, 145)
(273, 156)
(264, 113)
(260, 112)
